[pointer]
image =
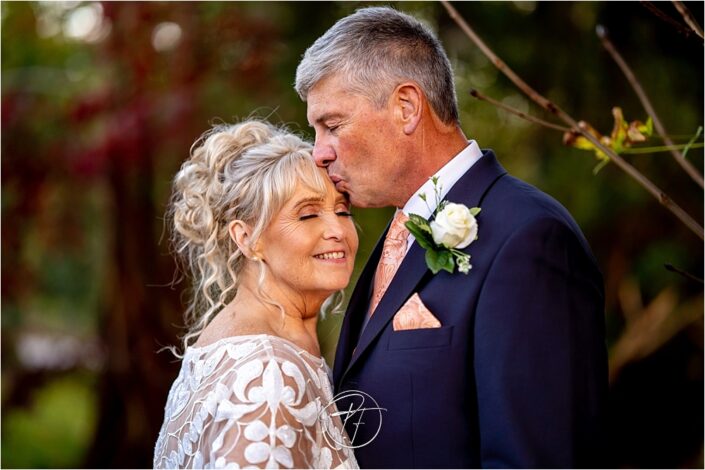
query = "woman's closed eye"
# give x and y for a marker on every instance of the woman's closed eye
(309, 211)
(340, 213)
(342, 209)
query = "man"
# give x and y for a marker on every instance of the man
(504, 366)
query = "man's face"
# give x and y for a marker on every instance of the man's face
(356, 142)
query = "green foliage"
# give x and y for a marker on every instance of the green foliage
(623, 136)
(55, 430)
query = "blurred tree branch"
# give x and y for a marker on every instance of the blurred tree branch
(634, 82)
(689, 18)
(648, 328)
(685, 274)
(476, 94)
(582, 127)
(549, 125)
(663, 16)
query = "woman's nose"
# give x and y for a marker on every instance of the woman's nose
(333, 228)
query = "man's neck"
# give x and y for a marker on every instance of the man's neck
(432, 155)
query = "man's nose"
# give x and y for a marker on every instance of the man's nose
(323, 154)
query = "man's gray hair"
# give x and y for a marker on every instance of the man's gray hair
(374, 50)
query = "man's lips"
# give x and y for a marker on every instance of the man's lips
(337, 182)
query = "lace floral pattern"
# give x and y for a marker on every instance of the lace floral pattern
(251, 402)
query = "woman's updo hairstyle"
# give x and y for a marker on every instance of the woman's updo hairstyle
(244, 171)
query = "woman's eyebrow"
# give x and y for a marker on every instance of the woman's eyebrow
(308, 200)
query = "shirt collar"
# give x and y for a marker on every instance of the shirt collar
(447, 177)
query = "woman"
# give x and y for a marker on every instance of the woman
(268, 240)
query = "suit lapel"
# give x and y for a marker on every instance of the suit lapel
(469, 190)
(355, 312)
(409, 274)
(472, 187)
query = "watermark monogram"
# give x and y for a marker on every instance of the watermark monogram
(359, 405)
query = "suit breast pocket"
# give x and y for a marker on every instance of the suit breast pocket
(422, 338)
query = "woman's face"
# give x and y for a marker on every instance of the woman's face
(310, 245)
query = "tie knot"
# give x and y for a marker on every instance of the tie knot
(398, 230)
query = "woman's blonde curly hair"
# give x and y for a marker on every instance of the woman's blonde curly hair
(245, 171)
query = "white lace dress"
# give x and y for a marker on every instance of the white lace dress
(254, 401)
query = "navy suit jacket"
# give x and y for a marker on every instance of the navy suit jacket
(516, 376)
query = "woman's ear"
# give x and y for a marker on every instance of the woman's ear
(409, 102)
(241, 234)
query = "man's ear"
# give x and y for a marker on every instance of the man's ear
(409, 102)
(241, 234)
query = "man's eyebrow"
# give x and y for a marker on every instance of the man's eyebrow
(325, 117)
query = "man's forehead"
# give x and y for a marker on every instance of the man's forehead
(324, 89)
(315, 105)
(330, 98)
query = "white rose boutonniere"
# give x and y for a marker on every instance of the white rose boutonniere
(454, 227)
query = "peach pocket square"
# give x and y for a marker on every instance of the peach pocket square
(414, 315)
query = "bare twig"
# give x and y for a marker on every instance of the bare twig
(662, 197)
(634, 82)
(665, 148)
(663, 16)
(689, 18)
(685, 274)
(691, 143)
(476, 94)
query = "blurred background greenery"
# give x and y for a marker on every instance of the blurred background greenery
(101, 101)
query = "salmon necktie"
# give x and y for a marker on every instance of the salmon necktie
(393, 252)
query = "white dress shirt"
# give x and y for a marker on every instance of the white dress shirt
(447, 177)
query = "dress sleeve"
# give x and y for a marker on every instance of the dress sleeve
(262, 406)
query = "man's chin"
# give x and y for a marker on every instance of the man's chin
(362, 204)
(353, 200)
(359, 202)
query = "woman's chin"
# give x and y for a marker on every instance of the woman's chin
(329, 288)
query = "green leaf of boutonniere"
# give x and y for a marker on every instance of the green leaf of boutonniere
(420, 222)
(439, 260)
(445, 258)
(422, 236)
(432, 260)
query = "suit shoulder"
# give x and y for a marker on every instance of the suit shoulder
(516, 203)
(513, 206)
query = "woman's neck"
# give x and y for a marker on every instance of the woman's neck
(297, 323)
